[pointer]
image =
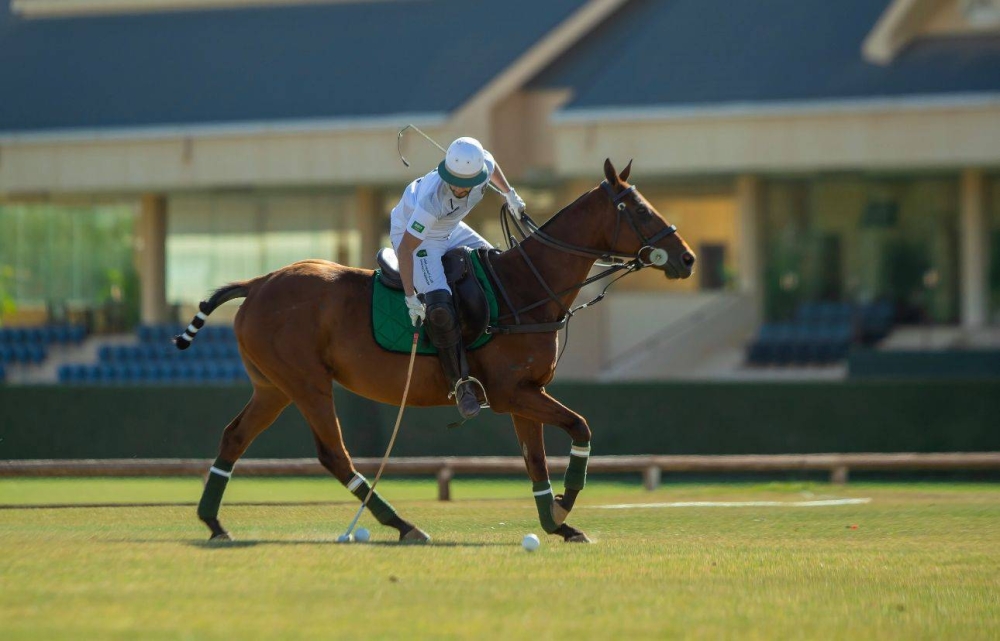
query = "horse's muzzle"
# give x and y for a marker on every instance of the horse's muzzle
(681, 267)
(688, 259)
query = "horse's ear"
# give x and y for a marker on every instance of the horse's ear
(609, 172)
(626, 171)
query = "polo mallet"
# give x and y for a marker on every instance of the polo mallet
(399, 140)
(346, 536)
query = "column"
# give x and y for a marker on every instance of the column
(973, 250)
(369, 222)
(749, 222)
(153, 258)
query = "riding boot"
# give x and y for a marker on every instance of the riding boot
(446, 335)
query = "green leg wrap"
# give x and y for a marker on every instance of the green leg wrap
(384, 512)
(543, 501)
(215, 487)
(576, 471)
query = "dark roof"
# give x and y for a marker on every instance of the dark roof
(661, 53)
(312, 61)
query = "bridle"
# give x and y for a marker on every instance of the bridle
(612, 259)
(656, 257)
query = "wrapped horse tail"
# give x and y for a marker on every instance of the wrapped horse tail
(206, 307)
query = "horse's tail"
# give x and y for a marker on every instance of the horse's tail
(206, 307)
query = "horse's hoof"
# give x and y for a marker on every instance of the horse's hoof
(570, 534)
(416, 535)
(219, 533)
(559, 513)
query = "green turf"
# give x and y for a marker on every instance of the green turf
(922, 563)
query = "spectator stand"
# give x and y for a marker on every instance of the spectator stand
(154, 360)
(25, 347)
(820, 333)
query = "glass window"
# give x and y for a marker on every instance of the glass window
(861, 239)
(993, 222)
(58, 256)
(213, 239)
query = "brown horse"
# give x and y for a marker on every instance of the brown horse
(308, 324)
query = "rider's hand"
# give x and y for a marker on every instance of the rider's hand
(416, 309)
(515, 202)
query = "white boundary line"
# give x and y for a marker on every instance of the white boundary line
(822, 503)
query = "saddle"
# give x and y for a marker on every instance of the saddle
(471, 303)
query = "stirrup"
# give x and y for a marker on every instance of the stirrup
(471, 379)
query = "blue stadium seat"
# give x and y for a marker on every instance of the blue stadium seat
(76, 373)
(154, 359)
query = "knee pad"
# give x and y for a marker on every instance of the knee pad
(440, 309)
(442, 321)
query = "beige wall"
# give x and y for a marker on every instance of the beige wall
(522, 139)
(699, 219)
(893, 135)
(237, 158)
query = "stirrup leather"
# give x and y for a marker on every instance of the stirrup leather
(471, 379)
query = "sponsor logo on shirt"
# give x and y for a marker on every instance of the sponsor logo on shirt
(417, 226)
(422, 253)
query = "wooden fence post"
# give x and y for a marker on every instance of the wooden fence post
(444, 484)
(651, 477)
(838, 475)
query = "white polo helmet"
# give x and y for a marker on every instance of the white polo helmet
(464, 164)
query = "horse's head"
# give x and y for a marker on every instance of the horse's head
(641, 230)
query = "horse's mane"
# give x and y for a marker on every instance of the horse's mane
(564, 209)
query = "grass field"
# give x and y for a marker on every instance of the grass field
(923, 562)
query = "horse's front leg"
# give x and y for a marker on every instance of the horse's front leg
(552, 511)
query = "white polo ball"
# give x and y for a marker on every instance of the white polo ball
(530, 542)
(362, 535)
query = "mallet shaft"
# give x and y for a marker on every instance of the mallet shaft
(392, 439)
(433, 142)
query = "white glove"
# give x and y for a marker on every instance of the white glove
(416, 309)
(514, 202)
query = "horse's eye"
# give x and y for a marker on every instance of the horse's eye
(643, 211)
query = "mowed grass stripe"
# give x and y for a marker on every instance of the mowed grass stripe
(922, 563)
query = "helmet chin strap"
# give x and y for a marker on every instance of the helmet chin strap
(657, 256)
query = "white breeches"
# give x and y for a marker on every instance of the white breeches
(428, 273)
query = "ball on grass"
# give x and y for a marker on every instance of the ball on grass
(362, 535)
(530, 542)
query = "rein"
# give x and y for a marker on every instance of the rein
(612, 258)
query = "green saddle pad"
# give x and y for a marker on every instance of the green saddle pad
(391, 322)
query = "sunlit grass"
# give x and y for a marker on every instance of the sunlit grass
(919, 561)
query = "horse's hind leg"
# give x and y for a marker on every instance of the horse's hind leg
(319, 411)
(340, 465)
(264, 406)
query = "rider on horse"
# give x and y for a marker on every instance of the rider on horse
(425, 224)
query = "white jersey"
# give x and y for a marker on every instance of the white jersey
(429, 210)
